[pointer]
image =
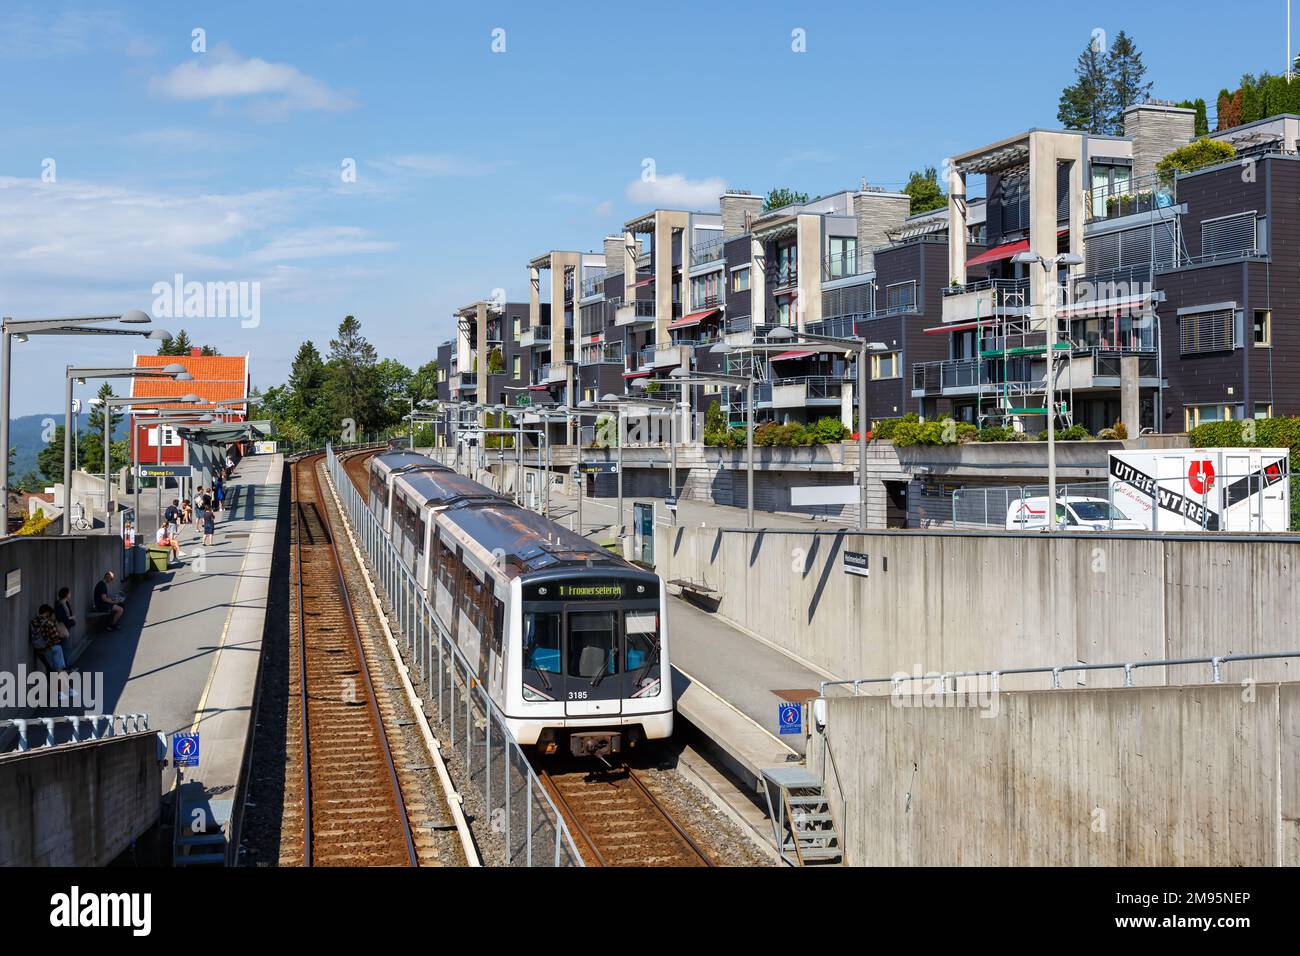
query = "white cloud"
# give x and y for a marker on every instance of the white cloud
(271, 89)
(603, 209)
(439, 164)
(677, 192)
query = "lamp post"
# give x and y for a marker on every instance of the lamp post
(683, 377)
(785, 336)
(23, 330)
(640, 385)
(1049, 306)
(173, 371)
(123, 402)
(159, 417)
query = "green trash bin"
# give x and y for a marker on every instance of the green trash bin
(158, 558)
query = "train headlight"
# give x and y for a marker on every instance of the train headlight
(530, 694)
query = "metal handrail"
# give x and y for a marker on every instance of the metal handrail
(1216, 672)
(710, 250)
(415, 619)
(131, 724)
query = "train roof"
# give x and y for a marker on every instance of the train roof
(391, 461)
(528, 541)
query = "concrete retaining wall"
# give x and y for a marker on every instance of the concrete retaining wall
(1169, 776)
(47, 564)
(946, 601)
(79, 804)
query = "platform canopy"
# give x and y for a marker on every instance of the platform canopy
(226, 433)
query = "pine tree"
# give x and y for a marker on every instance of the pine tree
(355, 392)
(783, 196)
(92, 451)
(179, 344)
(1126, 77)
(50, 458)
(1086, 103)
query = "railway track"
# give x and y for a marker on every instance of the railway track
(617, 821)
(353, 809)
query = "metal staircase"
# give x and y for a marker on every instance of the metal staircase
(803, 823)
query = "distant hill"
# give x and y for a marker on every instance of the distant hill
(25, 435)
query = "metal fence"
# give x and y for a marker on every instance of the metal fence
(517, 810)
(37, 733)
(987, 507)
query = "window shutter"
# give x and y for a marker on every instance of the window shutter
(1229, 234)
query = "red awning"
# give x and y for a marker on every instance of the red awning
(695, 318)
(635, 374)
(792, 355)
(999, 253)
(539, 388)
(952, 327)
(643, 282)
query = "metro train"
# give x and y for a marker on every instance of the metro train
(570, 641)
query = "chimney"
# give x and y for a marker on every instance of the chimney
(613, 255)
(1156, 129)
(878, 213)
(195, 351)
(739, 209)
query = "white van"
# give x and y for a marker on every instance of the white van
(1073, 513)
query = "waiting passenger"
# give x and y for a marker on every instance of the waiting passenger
(45, 638)
(105, 600)
(63, 612)
(164, 539)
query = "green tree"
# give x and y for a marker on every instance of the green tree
(782, 196)
(355, 390)
(179, 344)
(49, 460)
(925, 191)
(1086, 103)
(424, 382)
(394, 381)
(92, 450)
(1195, 155)
(1126, 77)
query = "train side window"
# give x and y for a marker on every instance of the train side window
(498, 623)
(420, 541)
(541, 632)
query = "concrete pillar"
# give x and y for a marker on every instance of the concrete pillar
(846, 405)
(557, 308)
(809, 259)
(956, 224)
(534, 297)
(757, 283)
(1129, 406)
(481, 346)
(629, 266)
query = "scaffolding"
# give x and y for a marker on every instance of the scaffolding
(1008, 342)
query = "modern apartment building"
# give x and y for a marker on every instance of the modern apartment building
(1164, 314)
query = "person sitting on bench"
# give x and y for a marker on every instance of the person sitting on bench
(165, 540)
(105, 601)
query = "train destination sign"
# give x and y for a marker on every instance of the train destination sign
(579, 589)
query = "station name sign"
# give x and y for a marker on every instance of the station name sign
(857, 562)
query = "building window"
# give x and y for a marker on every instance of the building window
(1214, 331)
(740, 280)
(518, 367)
(901, 296)
(786, 314)
(885, 365)
(1263, 410)
(1263, 328)
(442, 375)
(516, 328)
(1195, 415)
(706, 290)
(842, 260)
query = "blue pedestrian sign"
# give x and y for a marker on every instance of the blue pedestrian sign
(185, 750)
(789, 718)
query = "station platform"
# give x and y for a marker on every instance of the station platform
(187, 649)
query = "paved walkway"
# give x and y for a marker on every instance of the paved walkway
(179, 625)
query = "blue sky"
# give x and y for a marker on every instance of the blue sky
(225, 165)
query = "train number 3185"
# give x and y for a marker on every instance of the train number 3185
(577, 695)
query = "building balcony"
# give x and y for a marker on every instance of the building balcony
(671, 354)
(610, 353)
(461, 381)
(1102, 368)
(703, 253)
(1115, 200)
(949, 377)
(783, 277)
(593, 283)
(805, 391)
(636, 312)
(983, 299)
(534, 336)
(845, 265)
(552, 372)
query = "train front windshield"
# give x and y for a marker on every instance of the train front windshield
(589, 643)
